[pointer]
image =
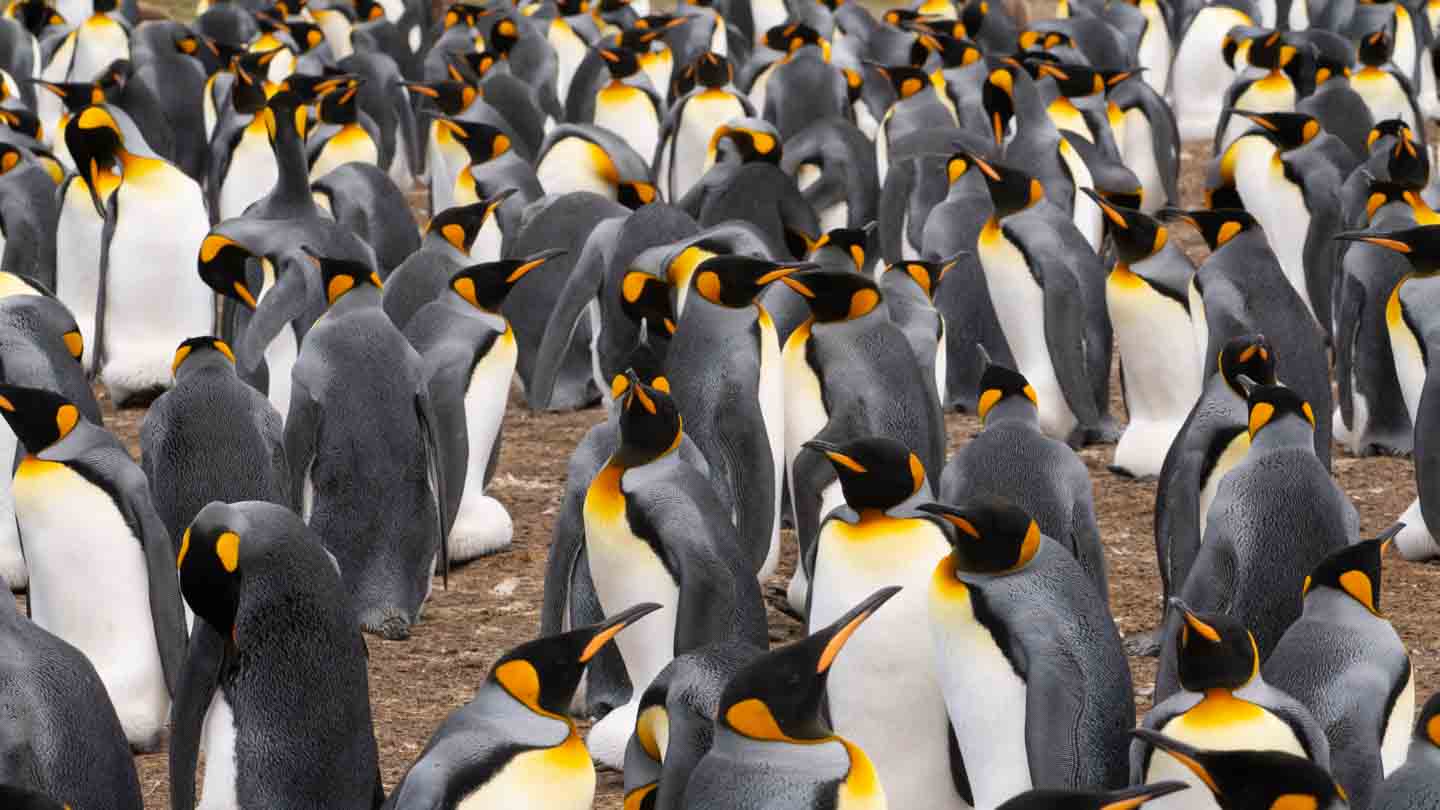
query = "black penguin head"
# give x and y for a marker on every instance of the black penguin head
(247, 94)
(25, 122)
(105, 6)
(736, 281)
(449, 97)
(543, 674)
(954, 52)
(997, 96)
(835, 295)
(905, 80)
(712, 70)
(1215, 650)
(35, 15)
(1249, 356)
(482, 142)
(999, 383)
(927, 275)
(635, 194)
(1263, 780)
(285, 113)
(307, 35)
(973, 15)
(223, 263)
(76, 96)
(791, 37)
(647, 364)
(201, 347)
(1124, 799)
(209, 564)
(339, 277)
(1216, 227)
(338, 102)
(485, 285)
(621, 62)
(1136, 235)
(749, 144)
(39, 418)
(189, 43)
(504, 35)
(1384, 192)
(902, 18)
(1074, 80)
(1395, 128)
(1271, 404)
(853, 242)
(1011, 190)
(470, 66)
(460, 224)
(875, 472)
(1421, 244)
(94, 140)
(1287, 130)
(650, 423)
(1033, 40)
(1375, 48)
(646, 298)
(1427, 726)
(1355, 570)
(992, 535)
(13, 797)
(466, 14)
(1408, 162)
(1271, 52)
(779, 696)
(309, 87)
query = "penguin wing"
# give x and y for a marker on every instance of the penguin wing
(1054, 701)
(1065, 337)
(1233, 94)
(222, 149)
(1347, 331)
(107, 235)
(198, 682)
(435, 471)
(302, 435)
(585, 282)
(272, 432)
(894, 205)
(449, 366)
(1427, 460)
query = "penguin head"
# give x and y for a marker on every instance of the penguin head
(223, 264)
(997, 96)
(736, 281)
(1137, 235)
(954, 52)
(485, 285)
(35, 15)
(711, 70)
(992, 535)
(1254, 780)
(1421, 244)
(1375, 48)
(209, 565)
(905, 80)
(1427, 726)
(39, 418)
(1275, 404)
(650, 423)
(646, 298)
(621, 62)
(504, 36)
(791, 37)
(1395, 128)
(470, 67)
(247, 94)
(780, 695)
(1249, 356)
(1032, 39)
(1408, 162)
(1077, 81)
(749, 144)
(1011, 190)
(94, 140)
(1287, 130)
(901, 18)
(1215, 650)
(13, 797)
(853, 242)
(307, 36)
(285, 112)
(647, 364)
(1384, 192)
(338, 277)
(1001, 384)
(835, 295)
(369, 10)
(309, 87)
(462, 14)
(1355, 570)
(75, 96)
(875, 472)
(1216, 227)
(197, 351)
(449, 96)
(927, 275)
(460, 224)
(25, 122)
(1124, 799)
(973, 15)
(635, 194)
(482, 142)
(543, 674)
(338, 102)
(1271, 52)
(102, 7)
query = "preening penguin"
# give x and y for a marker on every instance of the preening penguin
(79, 496)
(211, 438)
(61, 735)
(1416, 784)
(773, 746)
(275, 688)
(1015, 619)
(655, 529)
(1254, 780)
(1012, 458)
(693, 119)
(360, 442)
(876, 535)
(1344, 661)
(514, 744)
(1123, 799)
(1223, 704)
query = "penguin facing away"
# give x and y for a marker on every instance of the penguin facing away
(1416, 784)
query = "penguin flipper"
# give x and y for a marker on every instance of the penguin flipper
(198, 682)
(302, 431)
(1065, 339)
(1427, 459)
(1177, 513)
(585, 282)
(894, 204)
(107, 235)
(166, 605)
(958, 774)
(1347, 325)
(435, 472)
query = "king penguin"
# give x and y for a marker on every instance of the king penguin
(1012, 458)
(79, 496)
(1344, 660)
(877, 536)
(655, 529)
(211, 438)
(275, 676)
(693, 120)
(1223, 704)
(1254, 780)
(1123, 799)
(1030, 708)
(1416, 784)
(773, 745)
(454, 238)
(1275, 516)
(514, 744)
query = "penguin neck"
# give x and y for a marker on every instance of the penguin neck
(361, 297)
(1286, 433)
(1013, 410)
(292, 184)
(1332, 606)
(205, 363)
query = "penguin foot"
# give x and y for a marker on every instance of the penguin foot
(481, 529)
(611, 735)
(1142, 645)
(1415, 541)
(798, 593)
(391, 625)
(134, 386)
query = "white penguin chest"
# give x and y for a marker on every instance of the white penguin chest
(1273, 93)
(485, 400)
(222, 771)
(1086, 214)
(1383, 94)
(771, 393)
(559, 778)
(986, 698)
(1229, 457)
(570, 50)
(1138, 148)
(252, 172)
(700, 117)
(1395, 742)
(1216, 724)
(1278, 204)
(1162, 370)
(628, 112)
(805, 414)
(575, 164)
(77, 259)
(1409, 358)
(352, 144)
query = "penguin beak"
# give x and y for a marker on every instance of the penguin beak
(1184, 754)
(840, 632)
(1115, 217)
(801, 288)
(533, 262)
(832, 452)
(1134, 797)
(782, 271)
(1375, 239)
(607, 631)
(953, 515)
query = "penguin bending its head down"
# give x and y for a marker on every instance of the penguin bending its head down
(1123, 799)
(1254, 780)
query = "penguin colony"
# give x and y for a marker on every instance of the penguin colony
(775, 240)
